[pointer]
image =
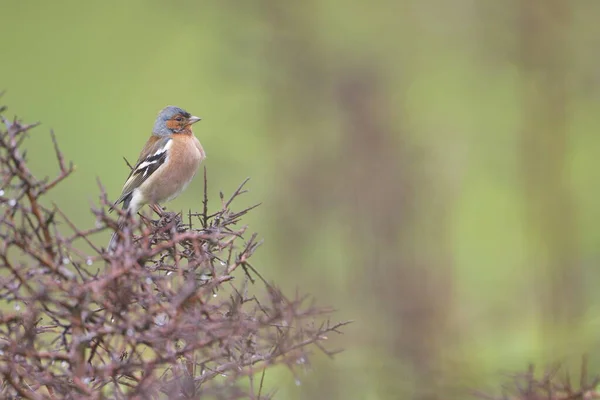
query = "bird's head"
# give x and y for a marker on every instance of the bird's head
(173, 119)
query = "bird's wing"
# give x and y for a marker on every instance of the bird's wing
(151, 158)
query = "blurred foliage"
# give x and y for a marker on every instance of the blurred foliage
(433, 163)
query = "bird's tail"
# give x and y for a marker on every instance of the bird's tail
(114, 239)
(131, 209)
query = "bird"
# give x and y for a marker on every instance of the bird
(166, 165)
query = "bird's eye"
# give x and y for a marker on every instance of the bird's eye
(178, 119)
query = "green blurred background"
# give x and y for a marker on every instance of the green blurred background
(427, 167)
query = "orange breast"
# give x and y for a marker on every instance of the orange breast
(185, 155)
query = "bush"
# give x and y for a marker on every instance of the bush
(177, 310)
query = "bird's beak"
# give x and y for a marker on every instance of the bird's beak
(192, 120)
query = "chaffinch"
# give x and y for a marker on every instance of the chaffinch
(166, 165)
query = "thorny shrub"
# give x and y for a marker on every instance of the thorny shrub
(554, 384)
(177, 310)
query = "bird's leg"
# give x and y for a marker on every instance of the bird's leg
(157, 209)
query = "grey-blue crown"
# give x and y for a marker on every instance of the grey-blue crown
(160, 126)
